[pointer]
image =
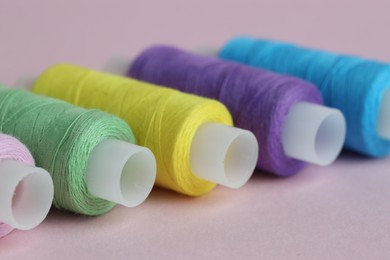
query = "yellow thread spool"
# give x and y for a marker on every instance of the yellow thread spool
(162, 119)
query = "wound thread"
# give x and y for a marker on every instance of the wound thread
(354, 85)
(61, 137)
(162, 119)
(258, 100)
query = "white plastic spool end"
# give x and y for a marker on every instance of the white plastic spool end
(121, 172)
(224, 155)
(117, 65)
(25, 82)
(383, 124)
(313, 133)
(207, 51)
(26, 194)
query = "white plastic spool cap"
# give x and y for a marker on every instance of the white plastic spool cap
(313, 133)
(121, 172)
(223, 154)
(25, 82)
(26, 194)
(118, 65)
(383, 124)
(207, 51)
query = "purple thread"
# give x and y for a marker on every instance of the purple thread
(258, 100)
(12, 148)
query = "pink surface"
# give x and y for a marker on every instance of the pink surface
(338, 212)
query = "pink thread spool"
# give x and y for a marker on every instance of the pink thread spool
(26, 191)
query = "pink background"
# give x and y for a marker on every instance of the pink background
(338, 212)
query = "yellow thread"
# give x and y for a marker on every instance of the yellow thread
(162, 119)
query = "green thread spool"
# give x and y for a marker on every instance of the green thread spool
(85, 151)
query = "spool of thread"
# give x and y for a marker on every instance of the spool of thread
(357, 86)
(26, 191)
(87, 153)
(191, 137)
(283, 112)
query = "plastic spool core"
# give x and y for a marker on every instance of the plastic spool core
(224, 155)
(207, 51)
(28, 196)
(383, 125)
(121, 172)
(313, 133)
(25, 82)
(118, 65)
(239, 160)
(29, 204)
(328, 139)
(136, 183)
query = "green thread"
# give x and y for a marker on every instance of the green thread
(61, 137)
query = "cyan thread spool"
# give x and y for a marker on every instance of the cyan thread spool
(284, 113)
(87, 152)
(358, 87)
(26, 191)
(191, 137)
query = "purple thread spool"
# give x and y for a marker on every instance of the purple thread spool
(258, 100)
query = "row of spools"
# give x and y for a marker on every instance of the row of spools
(98, 139)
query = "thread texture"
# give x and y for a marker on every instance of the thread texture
(258, 100)
(164, 120)
(61, 137)
(12, 149)
(353, 85)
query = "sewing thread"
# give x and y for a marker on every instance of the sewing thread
(162, 119)
(352, 84)
(258, 100)
(61, 137)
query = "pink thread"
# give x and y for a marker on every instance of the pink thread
(12, 148)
